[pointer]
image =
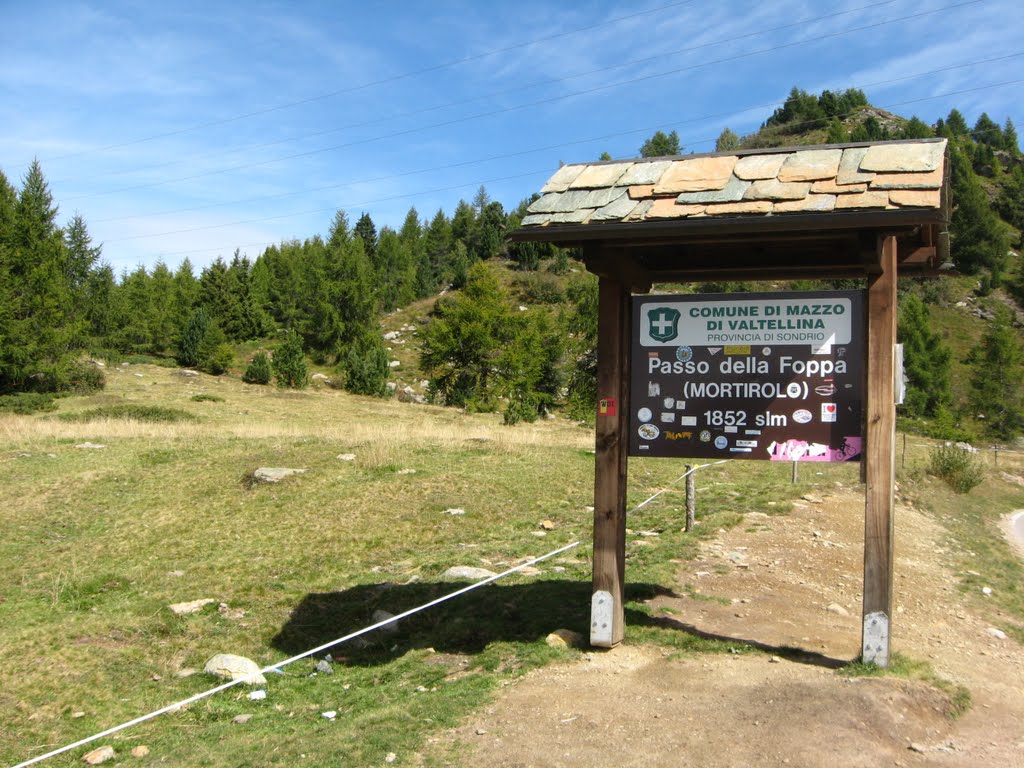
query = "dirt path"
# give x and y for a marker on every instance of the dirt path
(787, 582)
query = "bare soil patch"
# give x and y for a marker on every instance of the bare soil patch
(791, 586)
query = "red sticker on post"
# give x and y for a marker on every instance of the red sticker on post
(606, 406)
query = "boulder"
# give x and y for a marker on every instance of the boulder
(379, 616)
(275, 474)
(232, 667)
(99, 755)
(467, 572)
(192, 606)
(410, 395)
(564, 638)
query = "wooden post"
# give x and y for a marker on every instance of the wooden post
(607, 613)
(880, 459)
(796, 472)
(691, 498)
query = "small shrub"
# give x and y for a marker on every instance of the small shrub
(128, 412)
(258, 371)
(220, 359)
(26, 403)
(538, 288)
(289, 363)
(961, 469)
(522, 406)
(202, 397)
(365, 365)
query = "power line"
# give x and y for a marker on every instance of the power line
(494, 94)
(370, 84)
(488, 181)
(505, 178)
(539, 102)
(561, 145)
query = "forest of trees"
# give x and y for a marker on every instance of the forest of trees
(321, 299)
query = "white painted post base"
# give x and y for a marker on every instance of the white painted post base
(875, 646)
(601, 613)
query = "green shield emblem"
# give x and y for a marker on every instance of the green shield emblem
(663, 323)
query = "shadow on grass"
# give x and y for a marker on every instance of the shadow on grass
(469, 623)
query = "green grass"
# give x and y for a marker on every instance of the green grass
(981, 555)
(96, 545)
(131, 412)
(204, 397)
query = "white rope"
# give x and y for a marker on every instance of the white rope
(688, 472)
(272, 667)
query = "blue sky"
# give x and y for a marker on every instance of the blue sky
(191, 129)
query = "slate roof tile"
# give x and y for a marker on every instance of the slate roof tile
(755, 167)
(903, 158)
(598, 176)
(697, 174)
(773, 189)
(563, 177)
(645, 173)
(849, 167)
(811, 165)
(730, 193)
(889, 175)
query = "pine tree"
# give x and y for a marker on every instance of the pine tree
(189, 347)
(661, 144)
(365, 364)
(258, 371)
(367, 232)
(997, 371)
(727, 141)
(161, 317)
(978, 238)
(926, 361)
(289, 363)
(1010, 141)
(40, 329)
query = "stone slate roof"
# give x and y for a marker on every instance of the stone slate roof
(883, 176)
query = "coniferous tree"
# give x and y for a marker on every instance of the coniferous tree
(289, 363)
(926, 361)
(40, 330)
(82, 255)
(189, 346)
(367, 232)
(162, 317)
(661, 144)
(955, 124)
(978, 238)
(837, 133)
(997, 371)
(727, 141)
(1010, 141)
(365, 364)
(258, 371)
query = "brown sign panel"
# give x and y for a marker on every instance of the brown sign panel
(771, 376)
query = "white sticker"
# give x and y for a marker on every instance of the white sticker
(829, 412)
(653, 389)
(670, 402)
(688, 421)
(668, 417)
(644, 414)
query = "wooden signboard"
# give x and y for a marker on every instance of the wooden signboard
(769, 376)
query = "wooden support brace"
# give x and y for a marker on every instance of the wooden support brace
(607, 612)
(880, 462)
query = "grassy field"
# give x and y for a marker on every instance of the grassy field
(96, 543)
